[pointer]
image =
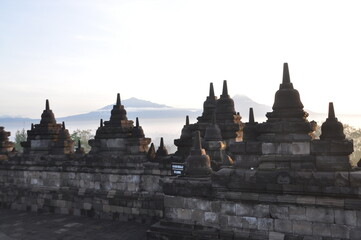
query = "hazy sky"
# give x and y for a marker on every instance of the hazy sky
(79, 54)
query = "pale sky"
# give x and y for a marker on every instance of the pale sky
(80, 53)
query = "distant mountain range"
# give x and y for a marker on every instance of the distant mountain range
(136, 108)
(148, 110)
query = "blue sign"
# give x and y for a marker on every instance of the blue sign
(177, 168)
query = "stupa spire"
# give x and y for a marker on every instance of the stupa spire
(101, 122)
(331, 111)
(63, 125)
(151, 153)
(225, 89)
(187, 120)
(211, 90)
(136, 122)
(47, 105)
(197, 146)
(79, 149)
(286, 74)
(161, 151)
(251, 116)
(118, 100)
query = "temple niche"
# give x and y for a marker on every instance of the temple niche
(48, 137)
(119, 136)
(6, 146)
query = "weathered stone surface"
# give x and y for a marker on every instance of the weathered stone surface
(355, 233)
(345, 217)
(323, 215)
(333, 163)
(302, 227)
(321, 229)
(276, 236)
(211, 217)
(355, 179)
(297, 213)
(279, 212)
(301, 148)
(265, 224)
(283, 225)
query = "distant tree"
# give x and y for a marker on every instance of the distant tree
(20, 136)
(83, 136)
(354, 134)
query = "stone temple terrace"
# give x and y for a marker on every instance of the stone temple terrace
(228, 179)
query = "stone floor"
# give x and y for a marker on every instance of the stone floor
(29, 226)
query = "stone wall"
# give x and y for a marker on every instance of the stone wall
(291, 212)
(269, 216)
(103, 188)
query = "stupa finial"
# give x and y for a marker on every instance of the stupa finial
(79, 144)
(187, 120)
(101, 122)
(47, 105)
(161, 143)
(286, 74)
(225, 89)
(211, 90)
(63, 125)
(136, 122)
(151, 153)
(331, 111)
(118, 100)
(251, 116)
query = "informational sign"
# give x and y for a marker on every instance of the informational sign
(177, 168)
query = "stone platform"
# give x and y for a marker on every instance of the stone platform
(29, 225)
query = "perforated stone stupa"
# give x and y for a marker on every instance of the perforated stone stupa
(227, 121)
(48, 137)
(119, 136)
